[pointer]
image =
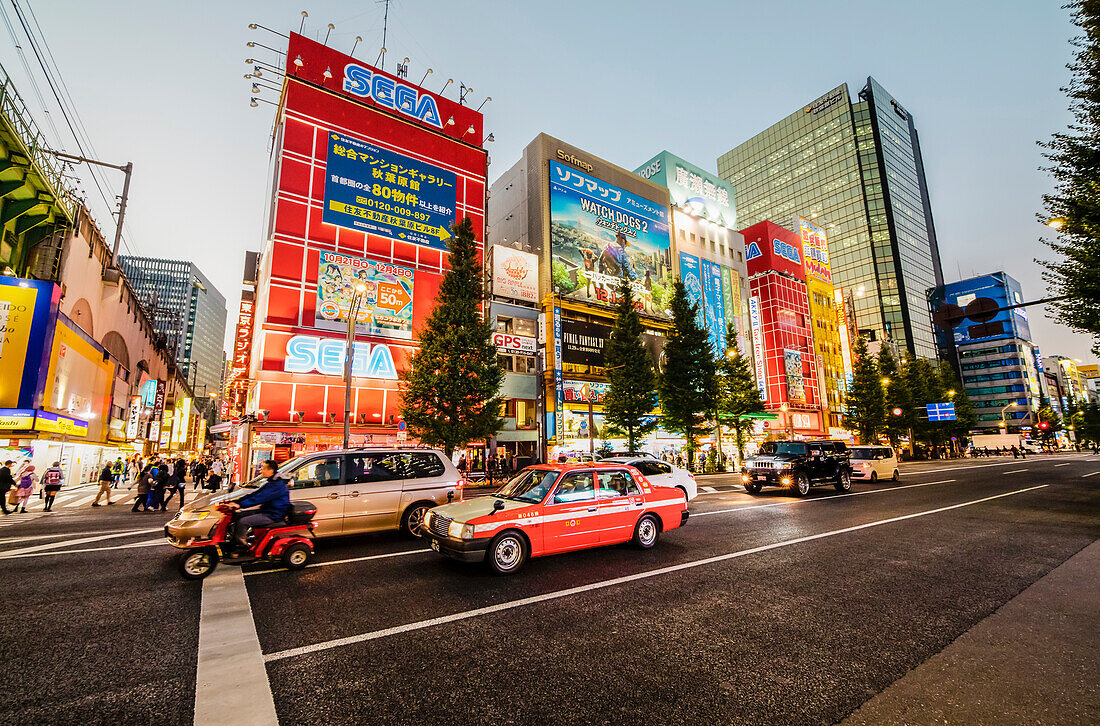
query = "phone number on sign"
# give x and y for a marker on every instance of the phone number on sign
(392, 209)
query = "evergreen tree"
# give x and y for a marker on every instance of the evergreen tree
(632, 383)
(1046, 415)
(925, 387)
(866, 398)
(738, 394)
(965, 419)
(1074, 207)
(897, 396)
(451, 390)
(688, 387)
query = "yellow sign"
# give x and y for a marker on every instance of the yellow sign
(1092, 371)
(16, 419)
(79, 381)
(16, 315)
(54, 423)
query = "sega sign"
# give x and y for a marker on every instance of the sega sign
(786, 251)
(388, 93)
(309, 354)
(508, 343)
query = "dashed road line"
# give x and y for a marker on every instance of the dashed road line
(1090, 474)
(1015, 471)
(1064, 464)
(822, 499)
(558, 594)
(708, 490)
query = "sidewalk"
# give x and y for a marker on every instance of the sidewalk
(1033, 661)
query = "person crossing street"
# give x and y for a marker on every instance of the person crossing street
(106, 479)
(7, 483)
(52, 480)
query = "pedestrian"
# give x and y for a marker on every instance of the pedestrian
(52, 479)
(25, 487)
(107, 477)
(144, 486)
(198, 473)
(116, 472)
(159, 485)
(7, 483)
(1015, 453)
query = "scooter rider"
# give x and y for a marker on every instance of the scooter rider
(273, 499)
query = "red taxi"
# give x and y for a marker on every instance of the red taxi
(554, 508)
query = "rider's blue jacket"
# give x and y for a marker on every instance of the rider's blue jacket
(273, 498)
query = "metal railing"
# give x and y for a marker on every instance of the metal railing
(19, 118)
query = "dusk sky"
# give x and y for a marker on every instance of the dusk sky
(160, 84)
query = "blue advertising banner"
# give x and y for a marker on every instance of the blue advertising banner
(601, 235)
(1002, 289)
(380, 191)
(714, 316)
(692, 278)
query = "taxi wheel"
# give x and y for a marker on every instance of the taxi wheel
(646, 532)
(197, 564)
(843, 482)
(296, 556)
(412, 523)
(507, 553)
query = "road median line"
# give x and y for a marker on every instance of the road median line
(510, 605)
(821, 499)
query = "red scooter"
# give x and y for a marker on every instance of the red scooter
(290, 543)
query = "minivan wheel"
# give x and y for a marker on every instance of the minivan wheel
(874, 476)
(843, 482)
(801, 485)
(896, 476)
(197, 564)
(507, 553)
(412, 523)
(646, 532)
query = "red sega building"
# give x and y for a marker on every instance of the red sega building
(369, 172)
(779, 320)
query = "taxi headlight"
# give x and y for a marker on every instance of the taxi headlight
(428, 520)
(460, 530)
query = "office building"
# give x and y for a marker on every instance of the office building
(854, 166)
(188, 311)
(780, 326)
(996, 358)
(1070, 389)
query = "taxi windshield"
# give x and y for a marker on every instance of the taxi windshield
(530, 485)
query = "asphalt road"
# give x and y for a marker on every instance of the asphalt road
(765, 609)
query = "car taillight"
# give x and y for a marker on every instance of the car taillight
(691, 476)
(461, 483)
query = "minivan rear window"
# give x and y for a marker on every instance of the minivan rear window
(423, 465)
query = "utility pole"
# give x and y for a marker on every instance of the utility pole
(349, 353)
(127, 169)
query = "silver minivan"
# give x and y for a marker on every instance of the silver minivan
(371, 489)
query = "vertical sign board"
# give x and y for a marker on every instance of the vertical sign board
(559, 389)
(845, 341)
(242, 353)
(135, 417)
(714, 314)
(693, 282)
(815, 251)
(758, 345)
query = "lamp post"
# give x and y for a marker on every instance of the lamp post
(789, 419)
(349, 353)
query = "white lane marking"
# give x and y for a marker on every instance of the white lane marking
(12, 540)
(149, 543)
(81, 540)
(708, 490)
(1090, 474)
(822, 499)
(230, 681)
(1015, 471)
(420, 625)
(1065, 464)
(343, 562)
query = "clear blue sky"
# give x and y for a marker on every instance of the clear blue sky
(161, 84)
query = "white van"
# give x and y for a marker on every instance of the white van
(874, 463)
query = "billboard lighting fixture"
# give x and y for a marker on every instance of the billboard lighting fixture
(451, 121)
(303, 23)
(468, 131)
(489, 138)
(331, 28)
(298, 61)
(254, 26)
(358, 40)
(487, 99)
(426, 74)
(327, 74)
(254, 44)
(449, 82)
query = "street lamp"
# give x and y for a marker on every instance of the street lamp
(886, 381)
(349, 352)
(790, 420)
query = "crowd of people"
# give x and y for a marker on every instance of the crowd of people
(151, 482)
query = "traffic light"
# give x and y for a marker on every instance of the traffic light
(1044, 425)
(896, 412)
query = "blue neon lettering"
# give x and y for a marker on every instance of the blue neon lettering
(382, 90)
(381, 364)
(361, 82)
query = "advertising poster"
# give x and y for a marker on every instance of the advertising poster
(559, 391)
(792, 364)
(387, 307)
(692, 278)
(601, 235)
(26, 315)
(815, 251)
(380, 191)
(515, 274)
(714, 313)
(692, 188)
(758, 346)
(134, 417)
(583, 343)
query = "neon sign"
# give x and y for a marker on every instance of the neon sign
(388, 93)
(309, 354)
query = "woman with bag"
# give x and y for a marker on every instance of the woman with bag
(25, 487)
(144, 483)
(52, 479)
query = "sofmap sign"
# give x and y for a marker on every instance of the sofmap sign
(309, 354)
(387, 93)
(380, 191)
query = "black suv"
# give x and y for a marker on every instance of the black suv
(799, 465)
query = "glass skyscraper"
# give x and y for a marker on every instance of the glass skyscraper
(853, 166)
(188, 311)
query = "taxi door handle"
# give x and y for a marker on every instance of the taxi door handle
(354, 494)
(334, 495)
(592, 509)
(639, 504)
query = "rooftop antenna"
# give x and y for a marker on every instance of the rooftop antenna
(385, 28)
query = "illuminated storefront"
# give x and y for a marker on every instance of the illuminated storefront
(370, 172)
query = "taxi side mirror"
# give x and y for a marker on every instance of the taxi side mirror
(497, 506)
